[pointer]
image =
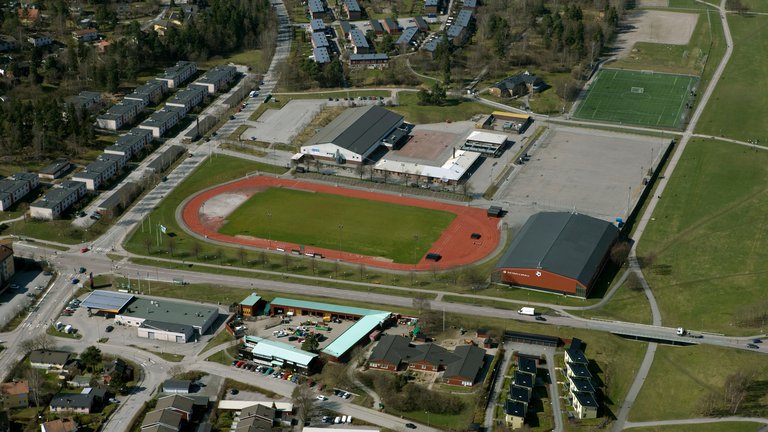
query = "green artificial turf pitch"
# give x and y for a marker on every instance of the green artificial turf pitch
(638, 98)
(401, 233)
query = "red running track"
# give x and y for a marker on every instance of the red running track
(455, 244)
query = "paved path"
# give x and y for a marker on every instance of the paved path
(645, 367)
(702, 420)
(496, 395)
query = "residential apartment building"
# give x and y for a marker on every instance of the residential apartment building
(14, 394)
(121, 114)
(7, 268)
(178, 74)
(188, 98)
(161, 121)
(55, 170)
(15, 187)
(131, 143)
(154, 88)
(359, 42)
(216, 79)
(39, 40)
(57, 200)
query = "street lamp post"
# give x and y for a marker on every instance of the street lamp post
(269, 229)
(341, 227)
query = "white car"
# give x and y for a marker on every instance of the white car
(321, 398)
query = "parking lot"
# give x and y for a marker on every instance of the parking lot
(280, 126)
(293, 332)
(24, 289)
(593, 172)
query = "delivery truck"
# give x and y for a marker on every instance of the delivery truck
(527, 311)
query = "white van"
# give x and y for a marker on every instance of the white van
(337, 420)
(343, 419)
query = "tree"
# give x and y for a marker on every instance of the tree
(40, 342)
(422, 304)
(242, 254)
(171, 246)
(303, 399)
(91, 357)
(196, 249)
(310, 343)
(620, 252)
(633, 282)
(148, 244)
(35, 380)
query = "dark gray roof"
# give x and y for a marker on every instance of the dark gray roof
(407, 36)
(319, 39)
(470, 3)
(576, 356)
(568, 244)
(469, 363)
(358, 129)
(391, 24)
(178, 402)
(511, 82)
(520, 394)
(420, 23)
(316, 6)
(583, 384)
(463, 18)
(163, 416)
(171, 385)
(369, 57)
(390, 349)
(258, 410)
(321, 55)
(345, 26)
(523, 379)
(526, 365)
(49, 357)
(579, 370)
(352, 5)
(377, 27)
(358, 38)
(514, 408)
(432, 354)
(72, 401)
(585, 399)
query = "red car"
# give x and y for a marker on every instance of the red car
(85, 249)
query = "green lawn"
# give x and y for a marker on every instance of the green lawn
(625, 305)
(707, 427)
(252, 58)
(213, 171)
(454, 110)
(681, 376)
(635, 97)
(221, 338)
(707, 238)
(755, 5)
(737, 108)
(339, 222)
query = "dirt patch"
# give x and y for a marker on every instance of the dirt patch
(662, 27)
(220, 206)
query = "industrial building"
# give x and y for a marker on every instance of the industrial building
(450, 172)
(253, 305)
(277, 354)
(354, 135)
(559, 252)
(155, 319)
(368, 321)
(488, 143)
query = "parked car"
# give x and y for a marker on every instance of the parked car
(753, 346)
(321, 397)
(540, 318)
(234, 391)
(410, 426)
(109, 329)
(75, 281)
(85, 249)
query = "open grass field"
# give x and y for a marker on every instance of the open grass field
(214, 171)
(681, 376)
(737, 108)
(707, 240)
(454, 110)
(699, 57)
(638, 98)
(708, 427)
(625, 305)
(400, 233)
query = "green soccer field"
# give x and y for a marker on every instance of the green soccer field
(401, 233)
(638, 98)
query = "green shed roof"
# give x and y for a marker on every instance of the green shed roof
(352, 336)
(332, 308)
(251, 300)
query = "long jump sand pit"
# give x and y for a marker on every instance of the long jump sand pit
(455, 244)
(661, 27)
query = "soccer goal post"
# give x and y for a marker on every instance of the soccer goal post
(638, 90)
